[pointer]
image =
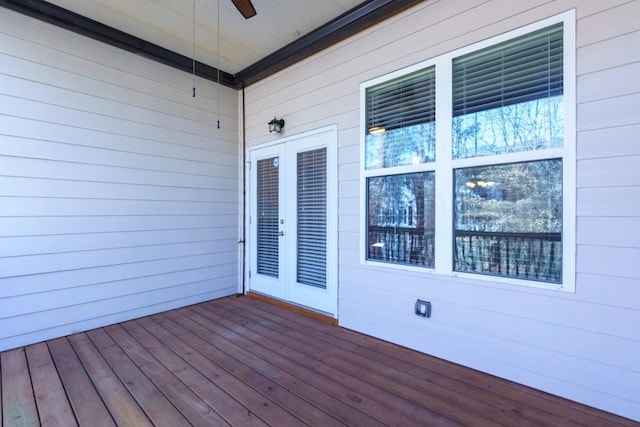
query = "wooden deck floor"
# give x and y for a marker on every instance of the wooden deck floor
(239, 361)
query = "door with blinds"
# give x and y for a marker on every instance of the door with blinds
(293, 220)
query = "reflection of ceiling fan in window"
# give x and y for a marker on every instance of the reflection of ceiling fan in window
(245, 8)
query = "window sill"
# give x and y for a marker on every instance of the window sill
(471, 278)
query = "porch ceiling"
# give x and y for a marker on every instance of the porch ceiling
(247, 50)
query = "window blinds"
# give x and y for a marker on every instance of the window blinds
(406, 101)
(523, 69)
(268, 214)
(312, 218)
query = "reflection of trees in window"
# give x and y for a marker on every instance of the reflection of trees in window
(401, 211)
(401, 147)
(508, 219)
(508, 98)
(533, 125)
(506, 156)
(518, 197)
(401, 121)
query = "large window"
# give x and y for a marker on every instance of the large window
(477, 177)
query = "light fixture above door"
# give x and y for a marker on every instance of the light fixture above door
(276, 125)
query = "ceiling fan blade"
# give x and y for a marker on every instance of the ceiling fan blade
(245, 7)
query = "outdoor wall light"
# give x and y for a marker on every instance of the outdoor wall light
(276, 125)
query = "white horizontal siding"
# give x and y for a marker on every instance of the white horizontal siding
(620, 141)
(531, 335)
(609, 172)
(609, 202)
(17, 286)
(359, 318)
(43, 225)
(581, 345)
(119, 194)
(23, 245)
(609, 83)
(623, 232)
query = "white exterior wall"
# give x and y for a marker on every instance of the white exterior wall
(584, 345)
(118, 194)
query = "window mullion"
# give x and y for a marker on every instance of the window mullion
(569, 183)
(397, 170)
(444, 174)
(518, 157)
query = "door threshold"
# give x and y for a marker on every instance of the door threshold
(294, 308)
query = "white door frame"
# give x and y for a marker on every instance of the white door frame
(330, 307)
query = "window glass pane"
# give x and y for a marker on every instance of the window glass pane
(312, 218)
(532, 125)
(401, 121)
(412, 145)
(268, 214)
(401, 218)
(509, 97)
(508, 220)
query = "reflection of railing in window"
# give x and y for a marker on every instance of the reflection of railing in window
(401, 245)
(533, 256)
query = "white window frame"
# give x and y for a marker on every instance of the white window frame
(445, 165)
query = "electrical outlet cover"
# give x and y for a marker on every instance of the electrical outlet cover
(423, 308)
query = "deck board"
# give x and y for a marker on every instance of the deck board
(244, 362)
(279, 365)
(53, 406)
(85, 401)
(158, 408)
(463, 392)
(260, 400)
(545, 408)
(193, 370)
(285, 371)
(391, 408)
(18, 400)
(237, 359)
(381, 374)
(122, 406)
(194, 409)
(268, 382)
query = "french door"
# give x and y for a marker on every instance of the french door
(293, 220)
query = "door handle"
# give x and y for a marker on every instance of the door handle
(281, 233)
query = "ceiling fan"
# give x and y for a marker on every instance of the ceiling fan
(245, 8)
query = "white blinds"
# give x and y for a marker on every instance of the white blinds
(312, 218)
(407, 101)
(523, 69)
(268, 215)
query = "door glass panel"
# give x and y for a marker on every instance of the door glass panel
(268, 215)
(312, 218)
